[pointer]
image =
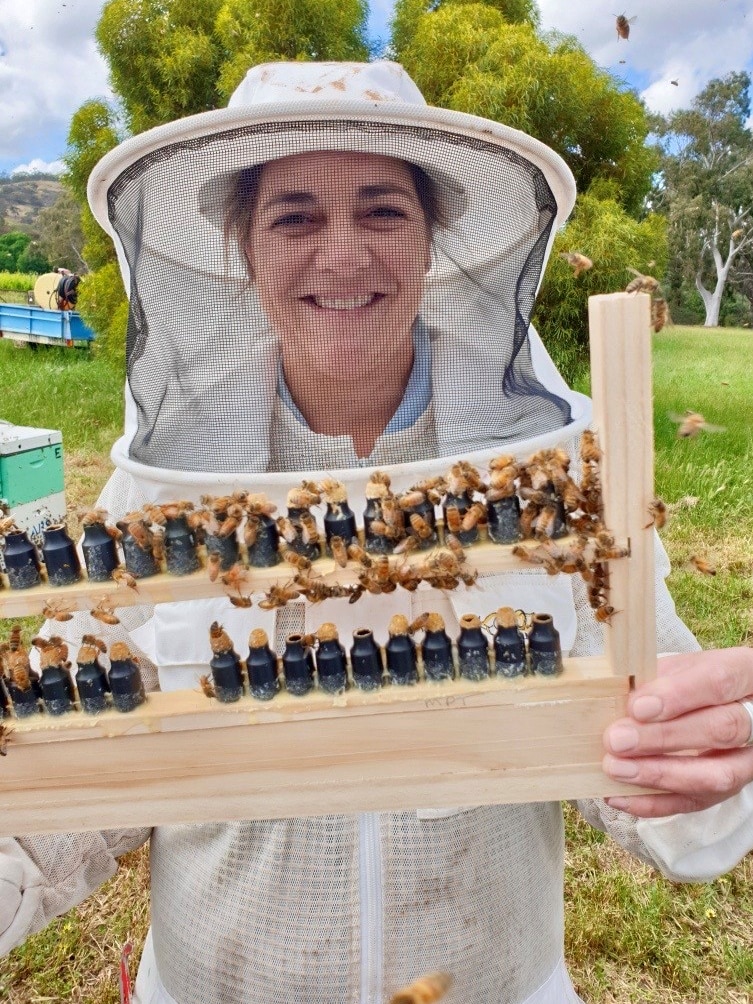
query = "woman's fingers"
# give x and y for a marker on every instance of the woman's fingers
(700, 780)
(692, 681)
(724, 727)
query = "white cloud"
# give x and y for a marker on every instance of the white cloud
(49, 66)
(38, 166)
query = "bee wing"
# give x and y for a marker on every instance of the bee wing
(708, 427)
(674, 417)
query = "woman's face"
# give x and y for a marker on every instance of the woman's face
(338, 246)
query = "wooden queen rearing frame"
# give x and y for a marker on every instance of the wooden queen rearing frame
(182, 759)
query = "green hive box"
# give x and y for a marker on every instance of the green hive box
(31, 476)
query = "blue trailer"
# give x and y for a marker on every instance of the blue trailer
(38, 326)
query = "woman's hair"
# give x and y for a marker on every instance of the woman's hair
(240, 204)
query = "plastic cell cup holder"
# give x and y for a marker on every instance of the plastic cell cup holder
(60, 557)
(264, 551)
(180, 547)
(503, 520)
(93, 687)
(261, 666)
(21, 560)
(366, 660)
(544, 646)
(436, 653)
(473, 649)
(331, 666)
(100, 553)
(227, 676)
(57, 690)
(126, 684)
(298, 666)
(226, 547)
(402, 662)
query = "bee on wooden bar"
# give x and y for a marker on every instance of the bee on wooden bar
(99, 516)
(299, 561)
(357, 553)
(214, 565)
(124, 578)
(339, 550)
(659, 313)
(207, 687)
(657, 510)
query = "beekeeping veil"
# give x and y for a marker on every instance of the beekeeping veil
(208, 401)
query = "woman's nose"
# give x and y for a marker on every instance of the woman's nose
(343, 248)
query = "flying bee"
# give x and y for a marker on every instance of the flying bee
(641, 283)
(339, 550)
(57, 611)
(622, 24)
(244, 602)
(577, 261)
(703, 566)
(207, 687)
(104, 611)
(124, 578)
(657, 510)
(691, 423)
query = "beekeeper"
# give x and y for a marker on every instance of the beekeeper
(327, 277)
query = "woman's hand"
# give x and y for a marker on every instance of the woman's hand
(687, 735)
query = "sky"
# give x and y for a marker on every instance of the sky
(49, 63)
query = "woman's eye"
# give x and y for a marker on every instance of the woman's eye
(292, 220)
(387, 213)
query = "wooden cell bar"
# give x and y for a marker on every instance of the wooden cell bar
(182, 757)
(620, 326)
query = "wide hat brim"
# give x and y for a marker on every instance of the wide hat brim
(493, 181)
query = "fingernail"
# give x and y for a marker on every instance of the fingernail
(623, 804)
(623, 770)
(622, 738)
(647, 708)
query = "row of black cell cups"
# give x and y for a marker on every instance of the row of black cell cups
(95, 689)
(513, 653)
(58, 553)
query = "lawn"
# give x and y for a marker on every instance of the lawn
(631, 935)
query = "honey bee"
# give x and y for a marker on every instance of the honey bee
(304, 497)
(251, 530)
(703, 566)
(233, 517)
(244, 602)
(406, 545)
(259, 505)
(383, 529)
(423, 529)
(299, 561)
(622, 24)
(545, 521)
(339, 550)
(590, 453)
(57, 611)
(641, 283)
(475, 515)
(124, 578)
(432, 488)
(675, 83)
(6, 735)
(420, 623)
(207, 687)
(691, 423)
(454, 519)
(135, 524)
(93, 642)
(235, 578)
(411, 499)
(527, 519)
(214, 564)
(278, 596)
(7, 525)
(309, 531)
(657, 510)
(333, 492)
(104, 611)
(120, 652)
(659, 313)
(407, 577)
(99, 516)
(219, 639)
(577, 261)
(357, 553)
(604, 613)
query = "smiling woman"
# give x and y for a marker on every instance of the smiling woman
(338, 245)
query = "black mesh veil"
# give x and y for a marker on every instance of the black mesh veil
(214, 331)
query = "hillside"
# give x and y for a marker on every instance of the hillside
(22, 199)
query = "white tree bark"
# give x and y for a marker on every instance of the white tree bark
(712, 298)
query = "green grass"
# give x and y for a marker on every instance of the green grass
(631, 936)
(72, 390)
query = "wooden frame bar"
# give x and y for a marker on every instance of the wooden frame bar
(184, 758)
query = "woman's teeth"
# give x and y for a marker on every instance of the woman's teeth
(343, 303)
